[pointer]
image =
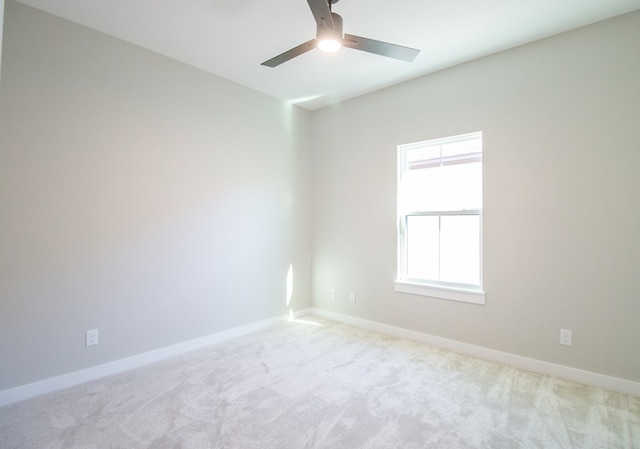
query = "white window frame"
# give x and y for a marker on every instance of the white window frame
(404, 284)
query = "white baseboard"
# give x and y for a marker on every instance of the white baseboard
(573, 374)
(78, 377)
(95, 372)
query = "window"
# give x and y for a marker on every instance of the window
(440, 218)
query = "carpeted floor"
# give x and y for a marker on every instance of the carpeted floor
(321, 384)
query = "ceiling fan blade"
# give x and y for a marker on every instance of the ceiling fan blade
(321, 12)
(290, 54)
(380, 48)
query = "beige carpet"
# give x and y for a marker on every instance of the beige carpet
(301, 385)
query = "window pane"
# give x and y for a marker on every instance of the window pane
(459, 152)
(424, 154)
(446, 188)
(460, 249)
(423, 247)
(424, 157)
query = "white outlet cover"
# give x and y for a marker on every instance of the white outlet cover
(565, 337)
(92, 337)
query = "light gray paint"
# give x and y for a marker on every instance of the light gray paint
(561, 154)
(139, 196)
(1, 26)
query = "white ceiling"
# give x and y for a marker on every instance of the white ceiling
(230, 38)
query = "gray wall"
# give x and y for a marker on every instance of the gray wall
(560, 119)
(139, 196)
(1, 27)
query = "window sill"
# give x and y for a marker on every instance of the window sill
(454, 294)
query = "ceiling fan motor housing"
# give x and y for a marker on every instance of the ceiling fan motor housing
(324, 30)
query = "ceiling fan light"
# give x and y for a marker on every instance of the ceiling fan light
(329, 45)
(329, 38)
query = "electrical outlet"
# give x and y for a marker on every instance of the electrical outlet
(565, 337)
(332, 293)
(352, 297)
(92, 337)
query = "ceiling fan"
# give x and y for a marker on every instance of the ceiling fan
(329, 38)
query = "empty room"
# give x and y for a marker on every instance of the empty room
(233, 224)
